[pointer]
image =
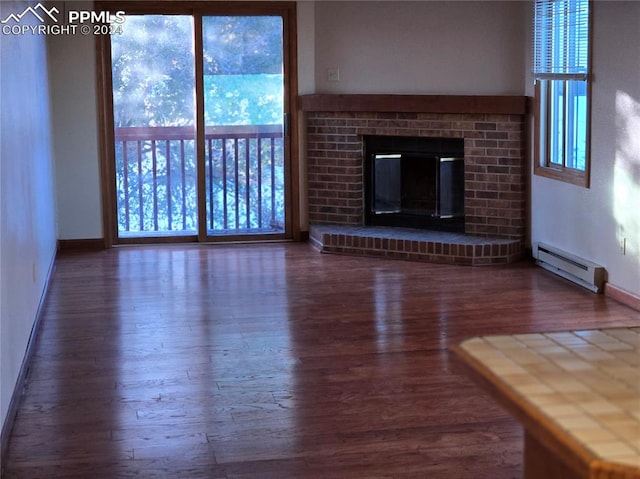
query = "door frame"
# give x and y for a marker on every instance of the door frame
(196, 9)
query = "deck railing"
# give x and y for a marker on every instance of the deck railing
(157, 188)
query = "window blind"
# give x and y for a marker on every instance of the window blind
(561, 37)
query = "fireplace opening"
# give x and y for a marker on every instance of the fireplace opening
(414, 182)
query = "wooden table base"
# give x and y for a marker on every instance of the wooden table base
(542, 463)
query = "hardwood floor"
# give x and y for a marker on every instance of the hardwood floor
(277, 361)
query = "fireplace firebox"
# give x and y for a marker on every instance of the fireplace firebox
(414, 182)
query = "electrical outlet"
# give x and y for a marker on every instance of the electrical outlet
(333, 74)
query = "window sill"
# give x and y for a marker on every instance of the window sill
(567, 175)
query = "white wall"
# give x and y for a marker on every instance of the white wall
(74, 113)
(441, 47)
(27, 197)
(306, 47)
(592, 222)
(306, 25)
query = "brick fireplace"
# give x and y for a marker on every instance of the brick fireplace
(492, 129)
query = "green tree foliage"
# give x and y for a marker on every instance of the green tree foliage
(242, 45)
(153, 72)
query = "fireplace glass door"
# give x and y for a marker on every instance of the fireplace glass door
(387, 196)
(450, 187)
(416, 183)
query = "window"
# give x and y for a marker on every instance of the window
(561, 72)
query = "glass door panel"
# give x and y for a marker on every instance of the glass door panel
(154, 126)
(244, 125)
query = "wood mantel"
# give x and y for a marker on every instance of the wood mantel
(473, 104)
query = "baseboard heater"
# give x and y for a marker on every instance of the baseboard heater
(581, 271)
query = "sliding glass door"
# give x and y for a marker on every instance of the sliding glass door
(199, 147)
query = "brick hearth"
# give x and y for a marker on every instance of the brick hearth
(495, 180)
(414, 245)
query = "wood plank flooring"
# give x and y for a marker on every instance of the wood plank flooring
(276, 361)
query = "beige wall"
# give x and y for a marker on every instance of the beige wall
(27, 198)
(593, 222)
(461, 47)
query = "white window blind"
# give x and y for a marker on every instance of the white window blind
(561, 43)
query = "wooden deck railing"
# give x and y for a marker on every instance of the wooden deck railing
(157, 187)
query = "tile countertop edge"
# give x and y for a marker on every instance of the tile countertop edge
(535, 422)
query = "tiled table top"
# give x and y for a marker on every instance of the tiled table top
(585, 382)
